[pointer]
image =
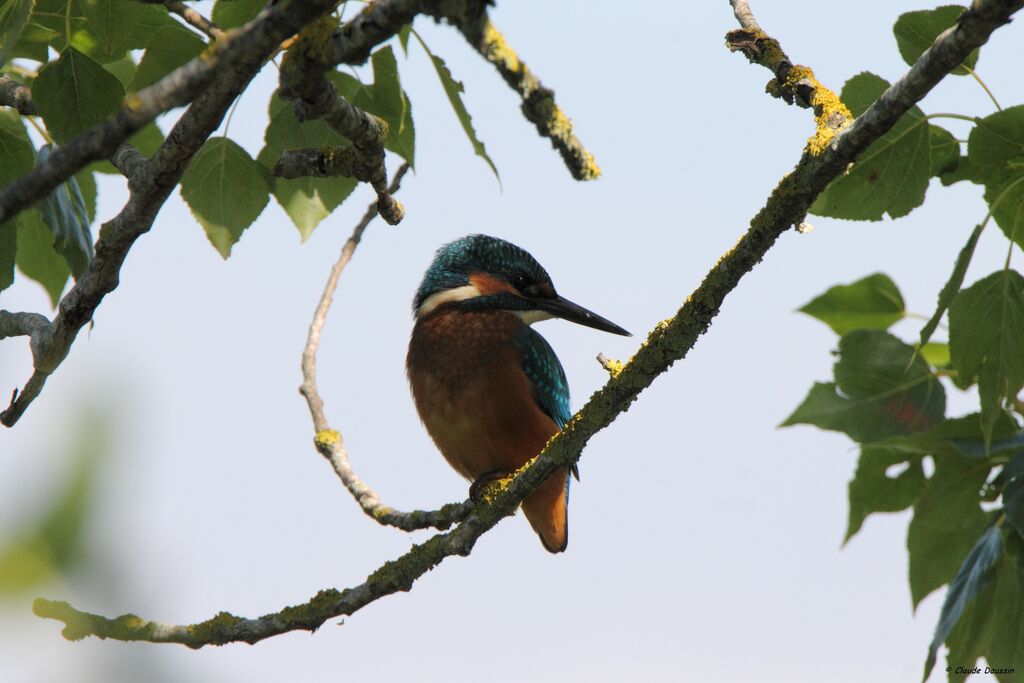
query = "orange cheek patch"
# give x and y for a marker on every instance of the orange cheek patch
(488, 284)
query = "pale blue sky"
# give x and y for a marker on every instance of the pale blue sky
(705, 543)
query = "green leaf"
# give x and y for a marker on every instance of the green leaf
(881, 484)
(1013, 491)
(1007, 203)
(75, 93)
(947, 522)
(454, 89)
(112, 22)
(226, 191)
(87, 186)
(995, 140)
(952, 286)
(882, 388)
(403, 38)
(965, 170)
(33, 43)
(974, 574)
(891, 176)
(8, 249)
(871, 303)
(936, 354)
(307, 201)
(916, 31)
(387, 90)
(55, 15)
(234, 13)
(37, 258)
(945, 150)
(65, 213)
(992, 625)
(15, 148)
(13, 18)
(390, 103)
(123, 69)
(960, 436)
(986, 337)
(170, 48)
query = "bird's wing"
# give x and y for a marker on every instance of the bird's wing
(550, 388)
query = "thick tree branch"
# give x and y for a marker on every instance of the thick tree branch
(329, 441)
(14, 94)
(670, 341)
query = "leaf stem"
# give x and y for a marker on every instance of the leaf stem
(67, 25)
(39, 129)
(944, 115)
(984, 87)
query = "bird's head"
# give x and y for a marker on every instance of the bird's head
(485, 273)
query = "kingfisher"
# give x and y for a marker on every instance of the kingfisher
(489, 389)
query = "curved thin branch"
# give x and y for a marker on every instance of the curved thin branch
(329, 441)
(670, 341)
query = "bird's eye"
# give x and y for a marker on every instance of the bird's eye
(520, 281)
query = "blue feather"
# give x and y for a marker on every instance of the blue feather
(550, 387)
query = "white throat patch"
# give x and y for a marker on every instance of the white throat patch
(448, 295)
(531, 317)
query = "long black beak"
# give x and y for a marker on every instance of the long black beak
(561, 307)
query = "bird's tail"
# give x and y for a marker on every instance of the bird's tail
(547, 511)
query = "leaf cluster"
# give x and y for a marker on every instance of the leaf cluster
(102, 52)
(962, 476)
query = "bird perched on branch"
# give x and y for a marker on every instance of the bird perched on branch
(488, 388)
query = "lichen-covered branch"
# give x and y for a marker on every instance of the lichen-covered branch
(792, 83)
(150, 182)
(303, 81)
(318, 162)
(669, 342)
(14, 94)
(539, 106)
(329, 441)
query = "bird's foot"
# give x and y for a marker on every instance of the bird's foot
(488, 484)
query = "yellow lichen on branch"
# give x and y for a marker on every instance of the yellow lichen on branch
(830, 114)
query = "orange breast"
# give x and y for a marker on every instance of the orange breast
(477, 404)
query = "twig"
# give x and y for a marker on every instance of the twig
(612, 366)
(195, 19)
(741, 10)
(670, 341)
(329, 441)
(14, 94)
(792, 84)
(132, 164)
